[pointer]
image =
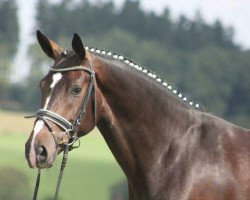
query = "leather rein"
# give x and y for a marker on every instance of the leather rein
(69, 128)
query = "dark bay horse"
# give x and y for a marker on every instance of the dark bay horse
(167, 148)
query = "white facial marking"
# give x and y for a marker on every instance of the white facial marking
(56, 78)
(38, 126)
(46, 103)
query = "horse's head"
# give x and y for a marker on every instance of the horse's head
(64, 90)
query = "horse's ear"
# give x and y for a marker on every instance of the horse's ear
(78, 47)
(48, 46)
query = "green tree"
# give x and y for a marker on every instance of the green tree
(8, 26)
(8, 42)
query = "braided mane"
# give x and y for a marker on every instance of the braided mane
(145, 71)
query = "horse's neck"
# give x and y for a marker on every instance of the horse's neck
(137, 118)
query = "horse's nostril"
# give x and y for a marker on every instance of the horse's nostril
(41, 154)
(40, 150)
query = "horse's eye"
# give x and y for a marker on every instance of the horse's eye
(76, 90)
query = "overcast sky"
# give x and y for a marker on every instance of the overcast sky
(234, 13)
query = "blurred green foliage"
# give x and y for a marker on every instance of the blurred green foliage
(95, 19)
(8, 41)
(8, 26)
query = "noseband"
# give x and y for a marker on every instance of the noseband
(69, 128)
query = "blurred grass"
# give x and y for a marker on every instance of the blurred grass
(89, 174)
(14, 122)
